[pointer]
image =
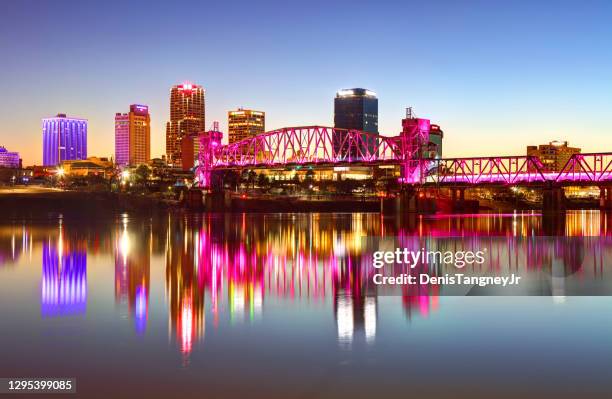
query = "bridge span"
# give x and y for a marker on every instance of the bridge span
(321, 146)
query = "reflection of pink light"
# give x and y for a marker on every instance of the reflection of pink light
(424, 305)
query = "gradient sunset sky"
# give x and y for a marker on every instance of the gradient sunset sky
(495, 75)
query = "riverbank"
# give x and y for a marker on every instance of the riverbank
(39, 201)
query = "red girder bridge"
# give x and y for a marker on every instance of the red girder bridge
(326, 146)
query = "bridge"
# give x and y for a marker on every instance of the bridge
(320, 146)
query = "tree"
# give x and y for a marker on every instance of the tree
(346, 186)
(142, 173)
(252, 177)
(232, 179)
(262, 181)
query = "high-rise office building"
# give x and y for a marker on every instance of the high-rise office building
(187, 118)
(8, 159)
(133, 136)
(355, 109)
(245, 123)
(64, 139)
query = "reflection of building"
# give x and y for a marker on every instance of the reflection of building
(420, 305)
(355, 304)
(133, 136)
(64, 139)
(13, 243)
(185, 293)
(245, 123)
(187, 118)
(9, 159)
(64, 280)
(553, 155)
(132, 274)
(355, 109)
(245, 284)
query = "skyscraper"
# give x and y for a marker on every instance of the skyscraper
(245, 123)
(64, 139)
(187, 118)
(355, 109)
(133, 136)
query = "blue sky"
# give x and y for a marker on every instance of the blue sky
(496, 75)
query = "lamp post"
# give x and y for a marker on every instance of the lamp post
(60, 173)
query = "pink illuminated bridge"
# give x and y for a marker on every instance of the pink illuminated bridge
(327, 146)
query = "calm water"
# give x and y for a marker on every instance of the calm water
(283, 306)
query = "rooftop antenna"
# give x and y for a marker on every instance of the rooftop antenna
(410, 113)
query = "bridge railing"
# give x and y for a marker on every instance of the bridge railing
(481, 170)
(584, 168)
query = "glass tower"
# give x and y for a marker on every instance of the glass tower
(64, 139)
(355, 109)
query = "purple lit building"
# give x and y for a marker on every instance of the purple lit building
(64, 139)
(8, 159)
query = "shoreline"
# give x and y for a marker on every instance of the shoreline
(33, 201)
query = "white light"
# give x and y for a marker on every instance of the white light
(125, 174)
(344, 320)
(345, 93)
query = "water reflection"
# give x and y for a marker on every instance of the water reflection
(16, 241)
(185, 287)
(229, 267)
(132, 271)
(64, 277)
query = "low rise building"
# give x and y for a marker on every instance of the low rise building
(92, 166)
(9, 159)
(554, 155)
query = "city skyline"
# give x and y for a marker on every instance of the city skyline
(539, 79)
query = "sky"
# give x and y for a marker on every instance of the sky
(495, 75)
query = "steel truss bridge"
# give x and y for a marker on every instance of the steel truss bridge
(327, 147)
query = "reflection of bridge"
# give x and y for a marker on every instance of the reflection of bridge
(319, 146)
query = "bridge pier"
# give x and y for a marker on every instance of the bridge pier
(405, 202)
(458, 199)
(553, 199)
(605, 198)
(217, 201)
(553, 224)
